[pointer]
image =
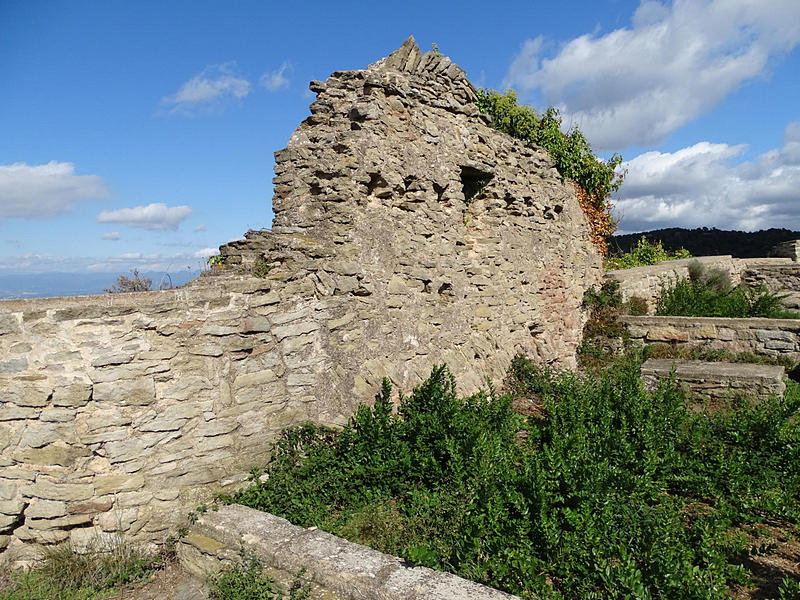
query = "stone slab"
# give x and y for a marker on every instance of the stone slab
(352, 570)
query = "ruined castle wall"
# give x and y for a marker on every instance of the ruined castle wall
(407, 233)
(118, 413)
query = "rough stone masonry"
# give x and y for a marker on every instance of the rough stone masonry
(407, 233)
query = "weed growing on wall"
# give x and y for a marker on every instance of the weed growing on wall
(610, 492)
(249, 581)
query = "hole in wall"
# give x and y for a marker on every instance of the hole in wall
(439, 189)
(473, 181)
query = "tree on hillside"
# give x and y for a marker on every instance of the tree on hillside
(126, 284)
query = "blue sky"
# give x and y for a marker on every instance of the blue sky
(140, 134)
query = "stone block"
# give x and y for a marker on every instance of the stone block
(115, 483)
(49, 490)
(9, 324)
(13, 366)
(57, 415)
(58, 453)
(74, 395)
(46, 509)
(11, 507)
(294, 329)
(105, 360)
(128, 392)
(256, 325)
(38, 434)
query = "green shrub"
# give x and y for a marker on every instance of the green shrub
(611, 492)
(570, 151)
(636, 306)
(646, 253)
(709, 294)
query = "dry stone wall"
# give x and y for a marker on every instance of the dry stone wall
(407, 233)
(766, 337)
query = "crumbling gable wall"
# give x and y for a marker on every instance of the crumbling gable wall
(437, 238)
(407, 233)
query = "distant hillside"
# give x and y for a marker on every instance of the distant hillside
(707, 242)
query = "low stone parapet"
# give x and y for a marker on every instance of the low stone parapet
(349, 570)
(717, 381)
(646, 282)
(767, 337)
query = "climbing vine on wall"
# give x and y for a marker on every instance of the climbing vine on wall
(595, 179)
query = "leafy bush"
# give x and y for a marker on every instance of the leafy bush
(604, 334)
(612, 492)
(646, 253)
(571, 153)
(709, 294)
(249, 581)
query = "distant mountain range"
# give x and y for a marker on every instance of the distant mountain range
(42, 285)
(708, 242)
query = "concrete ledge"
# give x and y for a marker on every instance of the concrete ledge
(350, 570)
(717, 380)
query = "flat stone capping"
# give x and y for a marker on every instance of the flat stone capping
(717, 380)
(768, 337)
(350, 570)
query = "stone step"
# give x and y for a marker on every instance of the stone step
(717, 382)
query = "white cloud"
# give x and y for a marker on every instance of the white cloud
(276, 80)
(200, 228)
(700, 186)
(635, 85)
(206, 90)
(113, 236)
(153, 216)
(206, 252)
(42, 191)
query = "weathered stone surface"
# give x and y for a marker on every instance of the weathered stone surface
(49, 490)
(352, 570)
(768, 337)
(58, 453)
(46, 509)
(126, 392)
(8, 323)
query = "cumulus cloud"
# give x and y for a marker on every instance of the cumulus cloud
(206, 252)
(702, 185)
(208, 89)
(156, 216)
(276, 80)
(43, 191)
(637, 84)
(113, 236)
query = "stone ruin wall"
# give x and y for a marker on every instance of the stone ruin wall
(121, 412)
